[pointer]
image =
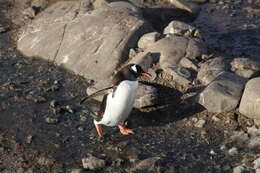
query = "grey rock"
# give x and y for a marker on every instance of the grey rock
(51, 120)
(215, 118)
(93, 163)
(250, 102)
(223, 94)
(146, 96)
(171, 49)
(147, 165)
(187, 63)
(253, 131)
(257, 170)
(92, 45)
(180, 75)
(196, 48)
(76, 170)
(239, 136)
(183, 29)
(254, 142)
(257, 163)
(233, 151)
(36, 98)
(239, 169)
(244, 67)
(188, 6)
(211, 69)
(44, 161)
(200, 123)
(148, 39)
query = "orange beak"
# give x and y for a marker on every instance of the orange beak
(146, 74)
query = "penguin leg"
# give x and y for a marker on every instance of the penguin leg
(99, 129)
(124, 130)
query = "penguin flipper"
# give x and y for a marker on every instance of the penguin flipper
(98, 93)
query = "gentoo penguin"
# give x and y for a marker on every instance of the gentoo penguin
(118, 100)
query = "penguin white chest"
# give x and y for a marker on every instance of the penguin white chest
(119, 104)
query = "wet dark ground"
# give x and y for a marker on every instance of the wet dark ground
(33, 90)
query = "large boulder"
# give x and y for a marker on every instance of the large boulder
(250, 102)
(223, 94)
(93, 44)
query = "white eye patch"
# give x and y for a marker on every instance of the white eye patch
(133, 67)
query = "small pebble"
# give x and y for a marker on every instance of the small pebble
(200, 124)
(233, 151)
(29, 139)
(215, 118)
(257, 163)
(93, 163)
(239, 169)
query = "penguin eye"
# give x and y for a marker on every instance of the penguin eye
(133, 67)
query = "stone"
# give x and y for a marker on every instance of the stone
(172, 49)
(182, 29)
(36, 98)
(250, 102)
(254, 143)
(4, 29)
(93, 163)
(147, 165)
(93, 45)
(51, 120)
(76, 170)
(148, 39)
(257, 163)
(188, 6)
(211, 69)
(257, 170)
(252, 11)
(233, 151)
(223, 94)
(244, 67)
(200, 123)
(239, 136)
(146, 96)
(239, 169)
(44, 161)
(180, 75)
(187, 63)
(196, 48)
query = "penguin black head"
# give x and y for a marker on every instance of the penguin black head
(130, 72)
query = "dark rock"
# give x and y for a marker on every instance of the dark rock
(36, 98)
(250, 102)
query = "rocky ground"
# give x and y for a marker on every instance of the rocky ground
(44, 129)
